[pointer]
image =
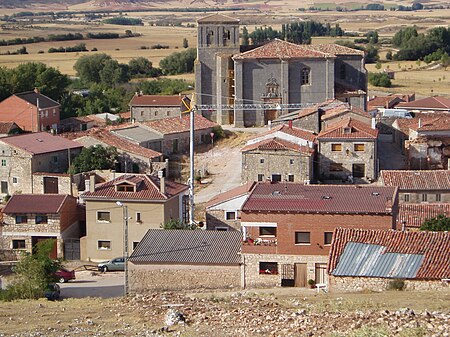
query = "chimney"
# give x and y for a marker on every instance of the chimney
(290, 124)
(166, 167)
(269, 125)
(92, 183)
(162, 182)
(374, 123)
(420, 123)
(448, 163)
(36, 90)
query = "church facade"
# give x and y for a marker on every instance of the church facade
(252, 88)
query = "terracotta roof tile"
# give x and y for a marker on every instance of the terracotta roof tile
(231, 194)
(147, 190)
(413, 215)
(293, 131)
(434, 246)
(35, 203)
(294, 197)
(279, 49)
(156, 100)
(335, 49)
(384, 102)
(277, 144)
(6, 127)
(358, 130)
(410, 180)
(40, 142)
(179, 124)
(429, 103)
(330, 113)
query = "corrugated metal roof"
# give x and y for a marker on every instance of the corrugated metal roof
(188, 247)
(369, 260)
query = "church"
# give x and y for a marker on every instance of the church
(252, 87)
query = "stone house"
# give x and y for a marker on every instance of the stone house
(140, 135)
(186, 259)
(275, 73)
(153, 107)
(23, 155)
(412, 216)
(80, 123)
(337, 114)
(132, 157)
(420, 186)
(43, 112)
(348, 152)
(9, 129)
(30, 218)
(149, 201)
(175, 132)
(362, 259)
(288, 227)
(223, 212)
(428, 105)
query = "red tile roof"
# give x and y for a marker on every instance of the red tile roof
(36, 203)
(410, 180)
(384, 102)
(413, 215)
(429, 103)
(293, 131)
(179, 124)
(217, 18)
(335, 49)
(231, 194)
(323, 106)
(298, 198)
(277, 144)
(330, 113)
(40, 142)
(434, 246)
(147, 189)
(279, 49)
(404, 124)
(6, 127)
(358, 130)
(156, 100)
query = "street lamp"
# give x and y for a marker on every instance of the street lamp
(125, 245)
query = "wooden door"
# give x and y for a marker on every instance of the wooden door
(50, 185)
(321, 273)
(300, 275)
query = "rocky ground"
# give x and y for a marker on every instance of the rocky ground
(278, 312)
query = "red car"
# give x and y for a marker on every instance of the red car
(64, 275)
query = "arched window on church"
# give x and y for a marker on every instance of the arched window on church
(305, 76)
(209, 37)
(226, 37)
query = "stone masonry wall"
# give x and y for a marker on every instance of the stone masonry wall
(182, 277)
(147, 113)
(216, 218)
(352, 284)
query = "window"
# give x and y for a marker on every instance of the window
(175, 145)
(343, 72)
(291, 161)
(261, 160)
(18, 244)
(267, 231)
(276, 177)
(269, 268)
(168, 113)
(424, 197)
(438, 197)
(135, 243)
(260, 177)
(103, 245)
(305, 76)
(54, 112)
(21, 219)
(358, 147)
(327, 237)
(291, 177)
(302, 238)
(4, 187)
(138, 217)
(55, 159)
(358, 170)
(336, 147)
(230, 215)
(103, 216)
(156, 113)
(336, 167)
(142, 113)
(15, 180)
(221, 229)
(125, 188)
(406, 197)
(41, 219)
(3, 162)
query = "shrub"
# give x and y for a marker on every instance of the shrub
(380, 80)
(397, 284)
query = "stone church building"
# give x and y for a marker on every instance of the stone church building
(277, 72)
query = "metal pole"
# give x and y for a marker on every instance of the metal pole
(125, 249)
(191, 173)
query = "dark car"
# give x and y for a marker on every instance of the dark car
(115, 264)
(52, 292)
(64, 275)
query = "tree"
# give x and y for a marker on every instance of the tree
(141, 66)
(437, 224)
(95, 157)
(88, 67)
(380, 80)
(179, 63)
(185, 43)
(245, 36)
(177, 224)
(371, 54)
(33, 273)
(372, 36)
(378, 65)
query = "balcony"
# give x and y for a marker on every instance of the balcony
(260, 246)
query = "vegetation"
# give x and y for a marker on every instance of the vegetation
(142, 67)
(179, 63)
(177, 224)
(120, 20)
(397, 284)
(33, 273)
(371, 51)
(439, 223)
(77, 48)
(101, 68)
(95, 158)
(164, 86)
(380, 80)
(104, 35)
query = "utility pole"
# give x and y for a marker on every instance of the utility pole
(191, 167)
(125, 245)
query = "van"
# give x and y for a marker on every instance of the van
(399, 113)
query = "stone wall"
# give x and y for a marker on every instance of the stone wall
(252, 275)
(200, 137)
(64, 183)
(182, 277)
(216, 218)
(431, 196)
(352, 284)
(151, 113)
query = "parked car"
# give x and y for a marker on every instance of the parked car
(64, 275)
(52, 292)
(117, 263)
